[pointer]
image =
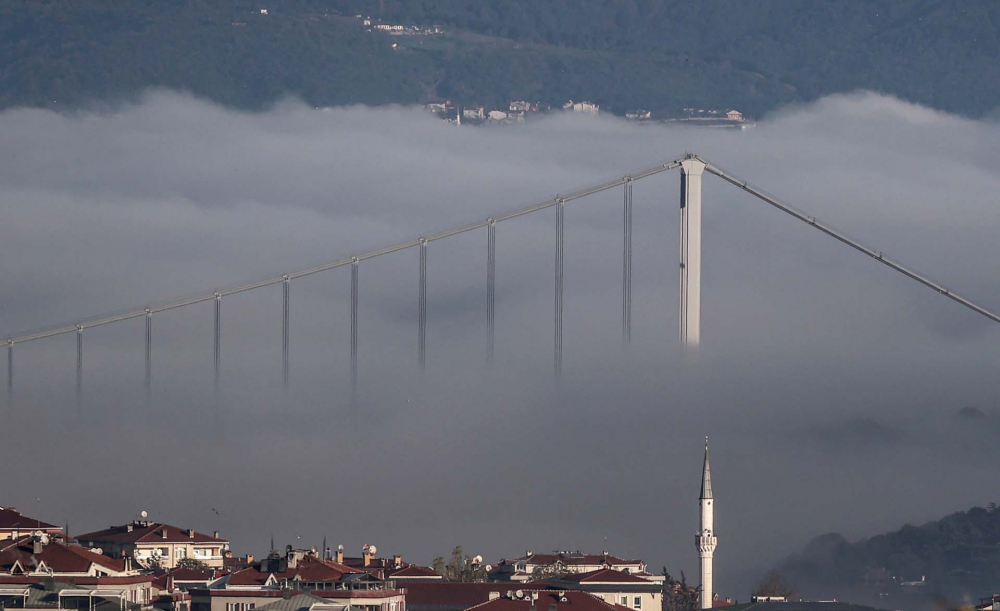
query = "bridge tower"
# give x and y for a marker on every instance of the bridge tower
(690, 271)
(706, 540)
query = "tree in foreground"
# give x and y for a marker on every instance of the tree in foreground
(773, 584)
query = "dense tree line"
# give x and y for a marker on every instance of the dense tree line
(956, 555)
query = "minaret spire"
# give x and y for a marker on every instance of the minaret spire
(706, 540)
(706, 476)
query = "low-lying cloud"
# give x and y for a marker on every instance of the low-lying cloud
(829, 384)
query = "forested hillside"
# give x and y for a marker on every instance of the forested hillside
(661, 55)
(953, 557)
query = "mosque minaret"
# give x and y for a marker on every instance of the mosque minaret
(705, 540)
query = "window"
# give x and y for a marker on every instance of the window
(637, 602)
(624, 601)
(240, 606)
(180, 553)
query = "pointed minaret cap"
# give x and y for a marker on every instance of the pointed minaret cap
(706, 476)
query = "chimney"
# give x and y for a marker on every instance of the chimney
(249, 558)
(190, 533)
(36, 545)
(397, 561)
(215, 534)
(367, 555)
(130, 527)
(163, 533)
(340, 555)
(494, 595)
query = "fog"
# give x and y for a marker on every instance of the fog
(827, 383)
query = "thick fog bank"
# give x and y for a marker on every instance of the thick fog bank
(828, 383)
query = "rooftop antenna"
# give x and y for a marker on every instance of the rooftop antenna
(272, 542)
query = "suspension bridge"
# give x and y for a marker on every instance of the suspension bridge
(692, 168)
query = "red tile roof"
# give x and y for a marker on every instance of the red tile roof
(59, 557)
(80, 581)
(248, 577)
(309, 569)
(11, 519)
(414, 571)
(571, 559)
(147, 532)
(603, 576)
(559, 601)
(183, 573)
(439, 593)
(452, 593)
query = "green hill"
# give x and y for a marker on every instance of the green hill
(954, 557)
(661, 55)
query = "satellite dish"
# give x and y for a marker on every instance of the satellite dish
(372, 549)
(519, 593)
(478, 559)
(144, 514)
(488, 568)
(340, 547)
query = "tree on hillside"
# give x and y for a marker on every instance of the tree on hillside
(677, 595)
(773, 584)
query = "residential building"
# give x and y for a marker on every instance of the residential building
(522, 106)
(211, 599)
(14, 525)
(40, 555)
(135, 593)
(414, 573)
(638, 115)
(473, 112)
(588, 108)
(497, 115)
(439, 106)
(989, 604)
(456, 596)
(734, 115)
(150, 543)
(523, 569)
(625, 589)
(384, 568)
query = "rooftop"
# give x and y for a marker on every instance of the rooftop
(144, 531)
(11, 519)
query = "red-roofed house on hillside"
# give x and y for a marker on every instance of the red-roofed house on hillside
(144, 540)
(523, 569)
(636, 592)
(14, 525)
(43, 556)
